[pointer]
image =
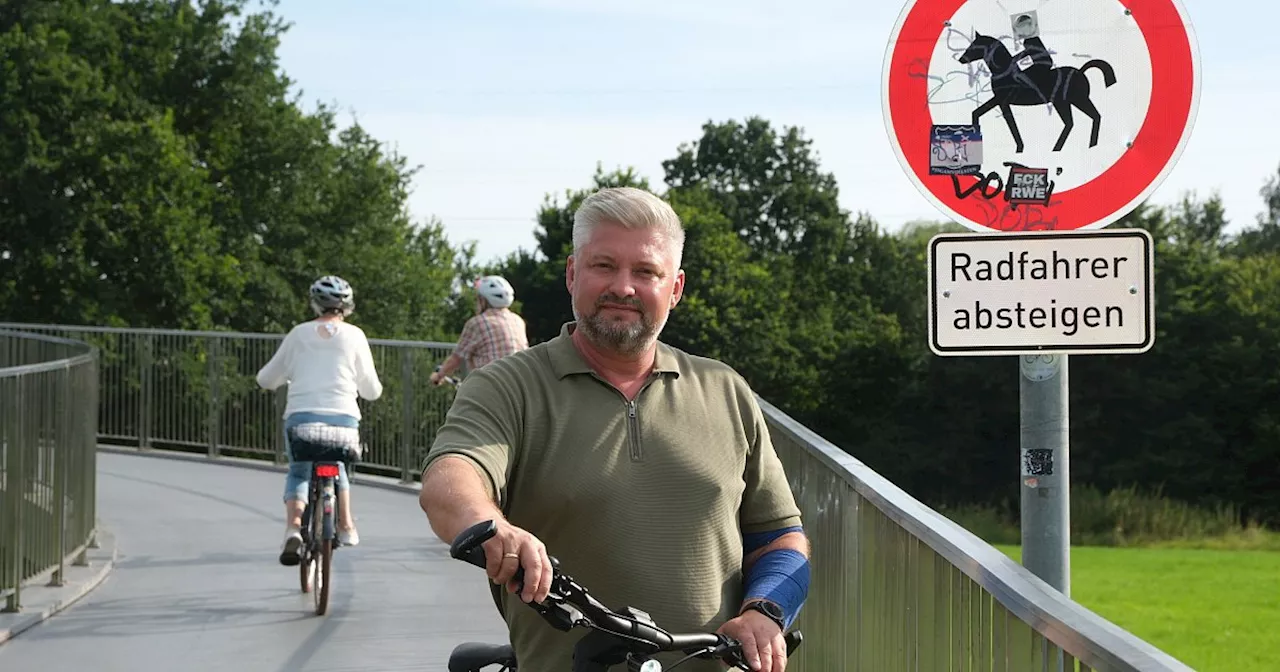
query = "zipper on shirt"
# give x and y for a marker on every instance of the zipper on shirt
(633, 431)
(633, 420)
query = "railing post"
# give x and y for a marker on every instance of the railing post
(215, 415)
(406, 414)
(281, 401)
(144, 397)
(86, 506)
(15, 488)
(62, 448)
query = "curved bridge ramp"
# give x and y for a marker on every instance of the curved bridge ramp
(197, 585)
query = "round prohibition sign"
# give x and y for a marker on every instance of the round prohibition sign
(1146, 87)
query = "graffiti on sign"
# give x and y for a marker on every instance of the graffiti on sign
(971, 86)
(1025, 186)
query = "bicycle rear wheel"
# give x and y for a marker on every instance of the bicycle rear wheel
(323, 540)
(305, 556)
(323, 563)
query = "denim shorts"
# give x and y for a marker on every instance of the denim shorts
(299, 477)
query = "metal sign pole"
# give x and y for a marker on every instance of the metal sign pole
(1045, 419)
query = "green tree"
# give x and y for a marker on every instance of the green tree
(1265, 237)
(727, 310)
(105, 216)
(158, 171)
(767, 183)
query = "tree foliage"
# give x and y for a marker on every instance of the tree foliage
(156, 171)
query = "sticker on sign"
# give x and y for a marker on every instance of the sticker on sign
(1064, 291)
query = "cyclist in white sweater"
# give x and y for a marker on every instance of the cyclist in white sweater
(326, 363)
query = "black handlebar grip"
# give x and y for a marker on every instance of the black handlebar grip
(738, 659)
(793, 640)
(467, 545)
(519, 575)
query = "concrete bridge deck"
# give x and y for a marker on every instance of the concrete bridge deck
(196, 585)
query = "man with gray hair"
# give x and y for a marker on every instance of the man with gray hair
(647, 471)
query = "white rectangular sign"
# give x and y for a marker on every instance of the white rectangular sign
(1086, 292)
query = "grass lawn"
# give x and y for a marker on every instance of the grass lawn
(1214, 610)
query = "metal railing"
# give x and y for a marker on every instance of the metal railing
(901, 587)
(197, 391)
(48, 450)
(896, 585)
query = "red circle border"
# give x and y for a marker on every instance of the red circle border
(1095, 203)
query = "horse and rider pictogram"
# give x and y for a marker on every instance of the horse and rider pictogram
(1041, 83)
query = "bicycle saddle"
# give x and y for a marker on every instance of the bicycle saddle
(472, 656)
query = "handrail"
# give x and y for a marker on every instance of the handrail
(48, 439)
(62, 363)
(1090, 638)
(249, 335)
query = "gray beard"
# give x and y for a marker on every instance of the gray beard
(620, 337)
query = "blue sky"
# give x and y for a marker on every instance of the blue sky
(502, 102)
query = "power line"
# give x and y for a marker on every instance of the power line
(850, 87)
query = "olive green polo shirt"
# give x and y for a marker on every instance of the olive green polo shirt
(644, 503)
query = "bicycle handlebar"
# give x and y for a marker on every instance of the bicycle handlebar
(570, 605)
(446, 379)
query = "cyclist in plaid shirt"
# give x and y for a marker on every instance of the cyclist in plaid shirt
(493, 333)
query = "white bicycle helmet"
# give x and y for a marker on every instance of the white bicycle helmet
(496, 290)
(332, 292)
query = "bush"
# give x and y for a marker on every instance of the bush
(1121, 517)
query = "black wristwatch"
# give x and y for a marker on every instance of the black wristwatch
(773, 611)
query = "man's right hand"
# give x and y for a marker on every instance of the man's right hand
(512, 548)
(454, 498)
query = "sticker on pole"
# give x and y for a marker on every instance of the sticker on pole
(1033, 115)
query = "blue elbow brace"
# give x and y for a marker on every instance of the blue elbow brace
(780, 576)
